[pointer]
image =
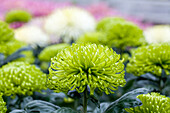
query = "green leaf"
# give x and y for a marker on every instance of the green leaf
(15, 55)
(2, 57)
(127, 100)
(65, 110)
(18, 111)
(40, 106)
(95, 101)
(149, 76)
(103, 107)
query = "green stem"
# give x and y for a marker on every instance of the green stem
(85, 101)
(76, 104)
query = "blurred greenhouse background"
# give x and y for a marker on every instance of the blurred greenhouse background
(156, 11)
(84, 56)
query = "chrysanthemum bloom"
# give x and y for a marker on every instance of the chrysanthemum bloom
(32, 35)
(3, 108)
(51, 51)
(150, 59)
(86, 64)
(17, 16)
(12, 46)
(121, 33)
(21, 78)
(157, 34)
(9, 45)
(69, 23)
(152, 103)
(93, 37)
(6, 34)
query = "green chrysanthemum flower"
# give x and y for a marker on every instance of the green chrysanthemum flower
(12, 46)
(121, 33)
(86, 64)
(21, 78)
(102, 25)
(6, 34)
(17, 16)
(3, 108)
(150, 59)
(152, 103)
(93, 37)
(51, 51)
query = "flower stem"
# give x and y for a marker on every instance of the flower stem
(85, 101)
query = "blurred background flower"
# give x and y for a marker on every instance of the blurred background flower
(150, 59)
(32, 35)
(17, 16)
(69, 23)
(157, 34)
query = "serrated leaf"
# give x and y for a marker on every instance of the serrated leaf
(40, 106)
(103, 107)
(65, 110)
(126, 101)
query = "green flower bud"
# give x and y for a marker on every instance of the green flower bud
(93, 37)
(51, 51)
(17, 16)
(68, 100)
(6, 34)
(86, 64)
(121, 33)
(150, 59)
(152, 103)
(3, 108)
(21, 78)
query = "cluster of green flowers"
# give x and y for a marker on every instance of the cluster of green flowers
(6, 33)
(93, 37)
(17, 16)
(152, 103)
(51, 51)
(3, 108)
(14, 46)
(80, 65)
(150, 59)
(9, 45)
(121, 33)
(21, 78)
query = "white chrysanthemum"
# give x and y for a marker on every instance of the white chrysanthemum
(157, 34)
(32, 35)
(69, 23)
